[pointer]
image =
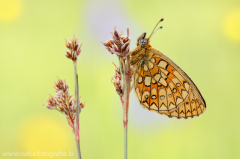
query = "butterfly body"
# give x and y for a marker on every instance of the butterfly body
(162, 86)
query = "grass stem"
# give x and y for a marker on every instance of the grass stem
(126, 94)
(77, 138)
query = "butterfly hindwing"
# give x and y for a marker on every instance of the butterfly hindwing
(162, 86)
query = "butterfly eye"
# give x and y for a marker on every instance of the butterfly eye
(143, 42)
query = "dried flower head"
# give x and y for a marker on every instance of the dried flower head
(117, 81)
(83, 104)
(64, 102)
(61, 86)
(74, 49)
(51, 103)
(119, 44)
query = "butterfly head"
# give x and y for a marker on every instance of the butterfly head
(142, 40)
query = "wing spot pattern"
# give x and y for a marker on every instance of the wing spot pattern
(179, 100)
(163, 107)
(162, 97)
(186, 85)
(146, 105)
(150, 65)
(154, 107)
(154, 81)
(174, 90)
(138, 93)
(184, 94)
(136, 76)
(145, 68)
(154, 93)
(172, 106)
(140, 79)
(145, 96)
(163, 82)
(157, 77)
(147, 81)
(164, 73)
(153, 60)
(162, 64)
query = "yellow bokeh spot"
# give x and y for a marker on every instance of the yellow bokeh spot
(232, 26)
(9, 10)
(41, 134)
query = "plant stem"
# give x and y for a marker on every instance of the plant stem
(78, 149)
(120, 65)
(127, 82)
(77, 138)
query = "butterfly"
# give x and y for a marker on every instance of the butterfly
(161, 85)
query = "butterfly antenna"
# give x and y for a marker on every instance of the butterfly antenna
(155, 28)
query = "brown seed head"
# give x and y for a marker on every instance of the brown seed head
(51, 103)
(61, 86)
(64, 102)
(83, 104)
(117, 81)
(119, 44)
(74, 48)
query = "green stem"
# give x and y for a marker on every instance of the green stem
(77, 138)
(127, 82)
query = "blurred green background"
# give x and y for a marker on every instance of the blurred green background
(202, 37)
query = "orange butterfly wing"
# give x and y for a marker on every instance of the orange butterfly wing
(162, 86)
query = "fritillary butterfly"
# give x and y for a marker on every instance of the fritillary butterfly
(162, 86)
